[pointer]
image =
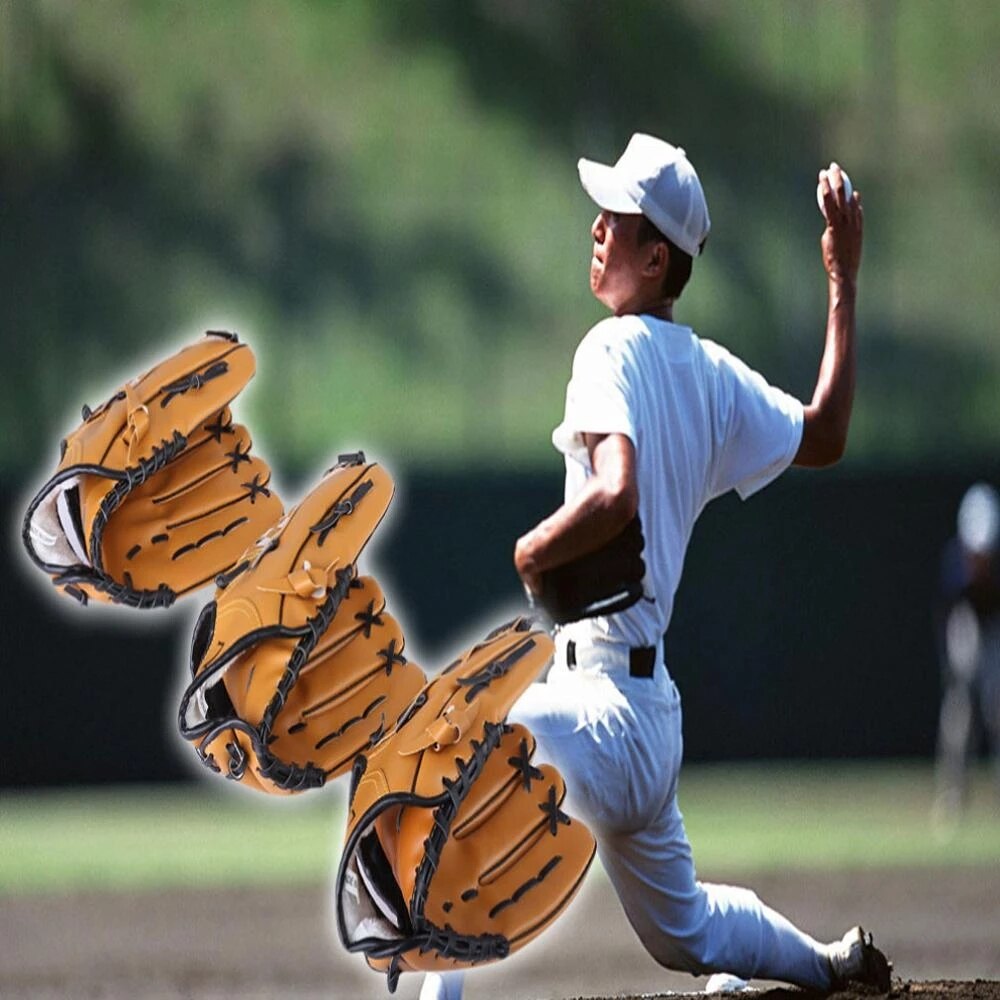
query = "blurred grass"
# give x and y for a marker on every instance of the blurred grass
(829, 816)
(129, 837)
(740, 818)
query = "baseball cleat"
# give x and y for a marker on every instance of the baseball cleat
(726, 982)
(855, 959)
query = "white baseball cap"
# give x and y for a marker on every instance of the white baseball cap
(979, 519)
(657, 180)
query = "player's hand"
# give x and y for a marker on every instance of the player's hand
(524, 563)
(842, 238)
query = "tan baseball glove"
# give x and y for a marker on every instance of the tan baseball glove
(296, 665)
(457, 851)
(156, 492)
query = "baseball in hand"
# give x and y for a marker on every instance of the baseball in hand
(848, 188)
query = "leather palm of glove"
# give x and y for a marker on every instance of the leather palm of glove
(156, 491)
(296, 665)
(457, 850)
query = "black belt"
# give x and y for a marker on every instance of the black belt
(641, 659)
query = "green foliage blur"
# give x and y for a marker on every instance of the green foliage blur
(381, 197)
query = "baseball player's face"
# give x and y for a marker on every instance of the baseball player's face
(616, 264)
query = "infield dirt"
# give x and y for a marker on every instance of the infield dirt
(940, 927)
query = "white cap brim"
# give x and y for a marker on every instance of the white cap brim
(605, 188)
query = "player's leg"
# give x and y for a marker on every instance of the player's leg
(954, 737)
(577, 724)
(683, 923)
(963, 642)
(700, 927)
(618, 743)
(442, 986)
(548, 711)
(989, 696)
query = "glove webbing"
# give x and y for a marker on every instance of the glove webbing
(128, 479)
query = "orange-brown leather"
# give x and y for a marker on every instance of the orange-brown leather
(298, 662)
(168, 493)
(470, 830)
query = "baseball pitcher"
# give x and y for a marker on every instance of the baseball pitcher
(658, 422)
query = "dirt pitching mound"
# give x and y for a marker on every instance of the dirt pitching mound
(939, 989)
(939, 927)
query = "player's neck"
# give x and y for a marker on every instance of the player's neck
(659, 308)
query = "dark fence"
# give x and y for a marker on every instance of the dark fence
(802, 627)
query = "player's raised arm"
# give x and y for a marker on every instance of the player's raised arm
(827, 417)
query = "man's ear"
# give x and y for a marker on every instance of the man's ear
(657, 259)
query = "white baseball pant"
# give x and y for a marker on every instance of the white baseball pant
(617, 741)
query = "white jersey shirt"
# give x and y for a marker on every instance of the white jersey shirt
(702, 423)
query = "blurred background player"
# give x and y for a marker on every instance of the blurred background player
(968, 624)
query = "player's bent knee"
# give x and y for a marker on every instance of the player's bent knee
(678, 958)
(674, 953)
(703, 943)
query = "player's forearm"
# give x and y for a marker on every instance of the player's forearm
(595, 515)
(828, 415)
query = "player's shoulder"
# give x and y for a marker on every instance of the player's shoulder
(723, 360)
(716, 353)
(606, 342)
(612, 332)
(632, 336)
